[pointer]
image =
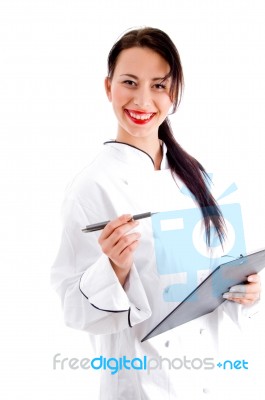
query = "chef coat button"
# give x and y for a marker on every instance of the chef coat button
(202, 331)
(206, 390)
(167, 343)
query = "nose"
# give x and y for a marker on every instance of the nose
(142, 97)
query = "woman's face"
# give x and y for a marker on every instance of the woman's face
(139, 95)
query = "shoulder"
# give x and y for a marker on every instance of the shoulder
(90, 183)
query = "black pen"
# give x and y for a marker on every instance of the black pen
(101, 225)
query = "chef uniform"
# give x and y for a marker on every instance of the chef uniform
(122, 180)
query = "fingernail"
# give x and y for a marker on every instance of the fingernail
(238, 288)
(227, 295)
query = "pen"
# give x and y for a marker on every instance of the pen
(101, 225)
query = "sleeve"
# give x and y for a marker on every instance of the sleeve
(243, 314)
(240, 314)
(92, 297)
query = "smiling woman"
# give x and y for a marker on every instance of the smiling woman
(110, 283)
(150, 58)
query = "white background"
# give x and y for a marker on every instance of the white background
(53, 118)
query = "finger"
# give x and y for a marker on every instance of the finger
(112, 225)
(124, 242)
(235, 295)
(129, 250)
(245, 302)
(254, 278)
(124, 259)
(238, 288)
(246, 288)
(118, 234)
(242, 296)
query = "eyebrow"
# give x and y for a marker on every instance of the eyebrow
(154, 79)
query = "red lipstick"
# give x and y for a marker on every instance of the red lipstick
(139, 117)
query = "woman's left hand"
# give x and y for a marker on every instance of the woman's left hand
(246, 294)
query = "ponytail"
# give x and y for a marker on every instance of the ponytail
(194, 176)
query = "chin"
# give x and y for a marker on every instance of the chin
(142, 133)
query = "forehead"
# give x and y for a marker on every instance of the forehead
(141, 61)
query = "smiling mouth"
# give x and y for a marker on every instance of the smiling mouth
(139, 117)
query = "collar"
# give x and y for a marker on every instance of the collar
(129, 153)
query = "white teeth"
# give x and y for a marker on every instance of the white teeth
(140, 116)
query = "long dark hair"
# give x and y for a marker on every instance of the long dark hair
(188, 169)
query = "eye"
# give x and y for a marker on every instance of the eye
(128, 82)
(160, 86)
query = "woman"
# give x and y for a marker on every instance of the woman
(108, 281)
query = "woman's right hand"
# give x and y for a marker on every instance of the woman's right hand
(119, 245)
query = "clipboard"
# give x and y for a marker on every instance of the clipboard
(206, 297)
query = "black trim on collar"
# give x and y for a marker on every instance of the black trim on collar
(134, 147)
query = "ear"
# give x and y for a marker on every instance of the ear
(108, 88)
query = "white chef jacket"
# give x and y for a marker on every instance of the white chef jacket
(122, 180)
